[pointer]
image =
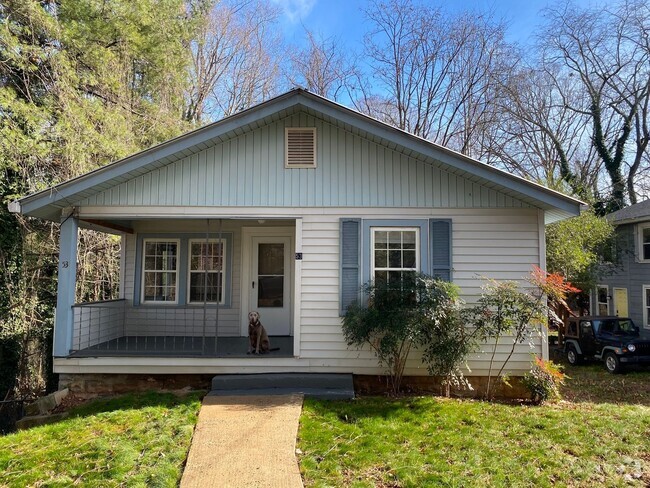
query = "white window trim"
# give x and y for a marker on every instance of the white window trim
(286, 147)
(646, 325)
(639, 243)
(223, 270)
(597, 311)
(373, 230)
(142, 280)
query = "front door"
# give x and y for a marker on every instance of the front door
(620, 302)
(270, 284)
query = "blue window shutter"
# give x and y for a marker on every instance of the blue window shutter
(350, 262)
(440, 244)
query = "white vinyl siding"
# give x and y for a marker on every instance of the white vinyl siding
(500, 244)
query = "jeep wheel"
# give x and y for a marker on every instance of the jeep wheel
(612, 363)
(572, 355)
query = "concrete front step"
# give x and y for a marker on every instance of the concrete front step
(316, 385)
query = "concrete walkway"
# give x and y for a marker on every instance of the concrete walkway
(245, 441)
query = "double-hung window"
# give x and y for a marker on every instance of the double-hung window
(206, 271)
(160, 271)
(395, 254)
(644, 243)
(602, 300)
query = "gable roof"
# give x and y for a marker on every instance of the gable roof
(638, 212)
(47, 204)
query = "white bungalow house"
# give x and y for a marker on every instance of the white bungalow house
(285, 208)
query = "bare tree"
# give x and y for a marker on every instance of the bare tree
(483, 62)
(606, 50)
(234, 57)
(435, 73)
(539, 137)
(410, 57)
(322, 67)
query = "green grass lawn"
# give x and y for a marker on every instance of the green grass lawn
(599, 436)
(133, 440)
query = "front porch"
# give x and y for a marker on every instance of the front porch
(186, 287)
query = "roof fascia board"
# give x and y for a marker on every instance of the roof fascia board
(450, 158)
(119, 168)
(633, 220)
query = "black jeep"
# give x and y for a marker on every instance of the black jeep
(613, 340)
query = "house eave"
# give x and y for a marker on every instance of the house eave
(634, 220)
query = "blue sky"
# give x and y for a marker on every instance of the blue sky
(344, 19)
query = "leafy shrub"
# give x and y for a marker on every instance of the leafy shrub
(446, 342)
(508, 311)
(398, 316)
(543, 381)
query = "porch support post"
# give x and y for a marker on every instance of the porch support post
(67, 281)
(297, 290)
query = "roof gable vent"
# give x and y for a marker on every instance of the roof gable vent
(300, 147)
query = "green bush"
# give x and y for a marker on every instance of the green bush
(416, 311)
(543, 381)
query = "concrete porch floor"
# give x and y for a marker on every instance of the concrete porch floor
(179, 346)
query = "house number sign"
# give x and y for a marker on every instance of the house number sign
(298, 256)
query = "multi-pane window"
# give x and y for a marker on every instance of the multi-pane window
(645, 244)
(160, 270)
(206, 271)
(395, 254)
(602, 300)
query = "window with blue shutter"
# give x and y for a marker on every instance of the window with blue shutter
(350, 262)
(440, 244)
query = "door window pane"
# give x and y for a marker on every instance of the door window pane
(270, 271)
(271, 259)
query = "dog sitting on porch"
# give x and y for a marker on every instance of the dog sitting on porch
(258, 339)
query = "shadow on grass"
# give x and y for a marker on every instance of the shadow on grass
(351, 411)
(135, 401)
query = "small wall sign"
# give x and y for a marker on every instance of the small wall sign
(298, 256)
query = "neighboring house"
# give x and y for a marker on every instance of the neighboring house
(285, 208)
(625, 290)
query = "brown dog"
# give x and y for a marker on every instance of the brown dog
(258, 339)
